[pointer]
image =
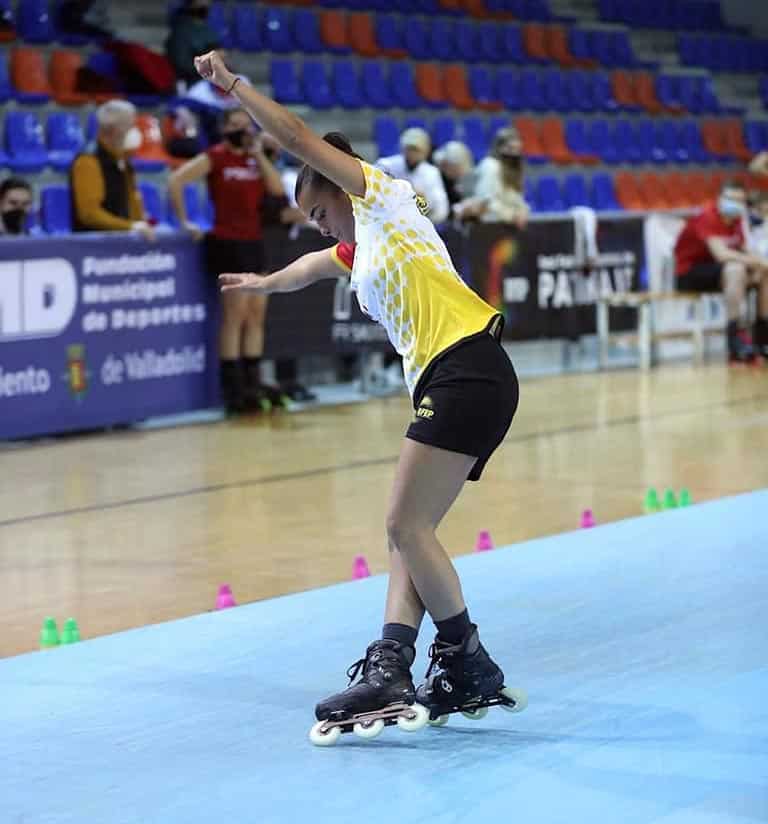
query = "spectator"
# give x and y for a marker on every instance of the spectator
(190, 36)
(85, 17)
(758, 236)
(105, 196)
(759, 164)
(15, 206)
(711, 255)
(412, 165)
(456, 166)
(500, 181)
(239, 175)
(183, 138)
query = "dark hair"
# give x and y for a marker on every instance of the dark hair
(732, 183)
(13, 183)
(311, 177)
(227, 115)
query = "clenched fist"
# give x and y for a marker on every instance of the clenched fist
(210, 66)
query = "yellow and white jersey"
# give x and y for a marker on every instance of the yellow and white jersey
(404, 278)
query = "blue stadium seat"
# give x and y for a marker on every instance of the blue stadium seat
(531, 91)
(580, 44)
(549, 198)
(556, 93)
(443, 130)
(625, 139)
(688, 94)
(6, 90)
(402, 86)
(576, 137)
(689, 137)
(154, 205)
(56, 210)
(666, 144)
(375, 85)
(686, 48)
(219, 21)
(482, 84)
(467, 41)
(667, 90)
(624, 55)
(608, 10)
(475, 136)
(651, 151)
(600, 139)
(604, 192)
(489, 45)
(65, 139)
(508, 85)
(764, 91)
(499, 121)
(756, 135)
(442, 34)
(285, 82)
(529, 193)
(24, 142)
(347, 85)
(317, 90)
(575, 191)
(34, 23)
(579, 86)
(386, 135)
(192, 204)
(417, 40)
(511, 44)
(415, 123)
(306, 34)
(247, 23)
(278, 32)
(602, 42)
(602, 93)
(389, 32)
(708, 100)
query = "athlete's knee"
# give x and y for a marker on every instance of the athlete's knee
(734, 274)
(404, 532)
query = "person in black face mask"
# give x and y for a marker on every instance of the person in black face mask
(239, 177)
(15, 206)
(190, 35)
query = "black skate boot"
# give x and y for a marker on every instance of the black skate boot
(468, 681)
(383, 695)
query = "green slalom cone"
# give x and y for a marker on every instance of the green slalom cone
(670, 502)
(685, 498)
(49, 634)
(70, 634)
(651, 502)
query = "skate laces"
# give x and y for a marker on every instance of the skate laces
(374, 655)
(441, 653)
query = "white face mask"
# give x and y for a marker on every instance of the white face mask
(132, 140)
(729, 207)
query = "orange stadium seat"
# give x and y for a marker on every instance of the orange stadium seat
(152, 147)
(628, 191)
(63, 73)
(534, 41)
(734, 140)
(456, 88)
(28, 72)
(652, 186)
(715, 139)
(333, 29)
(528, 128)
(645, 91)
(362, 35)
(455, 6)
(623, 88)
(429, 83)
(476, 8)
(557, 46)
(553, 141)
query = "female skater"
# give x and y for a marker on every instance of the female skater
(464, 392)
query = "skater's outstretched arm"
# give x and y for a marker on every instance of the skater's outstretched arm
(287, 128)
(303, 272)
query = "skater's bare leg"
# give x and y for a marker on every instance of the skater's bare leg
(427, 482)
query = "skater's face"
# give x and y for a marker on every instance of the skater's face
(331, 209)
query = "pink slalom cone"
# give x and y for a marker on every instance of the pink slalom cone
(225, 598)
(484, 542)
(587, 519)
(360, 568)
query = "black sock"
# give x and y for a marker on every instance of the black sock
(453, 630)
(402, 633)
(732, 333)
(253, 370)
(760, 332)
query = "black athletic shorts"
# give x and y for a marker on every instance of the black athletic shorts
(466, 399)
(233, 255)
(702, 277)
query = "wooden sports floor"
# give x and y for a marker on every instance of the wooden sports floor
(134, 527)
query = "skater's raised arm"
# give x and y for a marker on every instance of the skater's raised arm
(287, 128)
(305, 271)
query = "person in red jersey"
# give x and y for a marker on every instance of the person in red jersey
(711, 255)
(239, 176)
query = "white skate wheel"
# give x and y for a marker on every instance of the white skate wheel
(420, 717)
(475, 715)
(368, 730)
(324, 739)
(520, 697)
(440, 721)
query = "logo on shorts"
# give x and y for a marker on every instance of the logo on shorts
(425, 410)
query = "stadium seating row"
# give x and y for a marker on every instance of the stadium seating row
(721, 53)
